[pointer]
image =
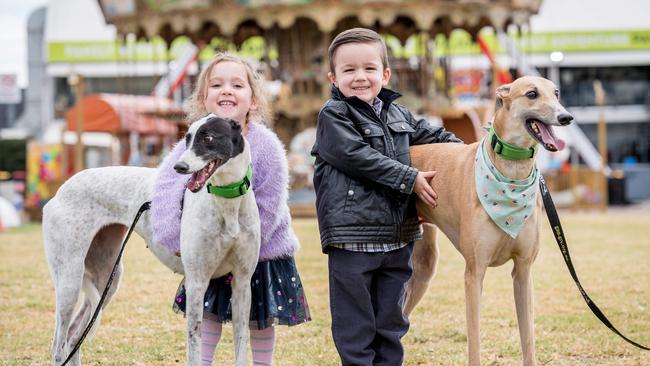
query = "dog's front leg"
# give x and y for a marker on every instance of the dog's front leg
(196, 284)
(241, 305)
(474, 274)
(523, 287)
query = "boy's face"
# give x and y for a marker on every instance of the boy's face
(359, 71)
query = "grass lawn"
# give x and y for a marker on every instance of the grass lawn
(611, 253)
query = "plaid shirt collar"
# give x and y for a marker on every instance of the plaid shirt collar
(377, 104)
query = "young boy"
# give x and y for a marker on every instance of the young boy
(366, 213)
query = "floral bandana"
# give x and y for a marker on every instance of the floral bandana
(508, 202)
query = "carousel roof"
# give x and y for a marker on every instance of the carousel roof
(240, 19)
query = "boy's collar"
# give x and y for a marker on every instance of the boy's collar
(386, 95)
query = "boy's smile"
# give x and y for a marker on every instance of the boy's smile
(359, 71)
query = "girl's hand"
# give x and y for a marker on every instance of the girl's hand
(424, 190)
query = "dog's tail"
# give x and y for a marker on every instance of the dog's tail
(81, 319)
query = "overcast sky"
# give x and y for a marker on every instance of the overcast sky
(13, 36)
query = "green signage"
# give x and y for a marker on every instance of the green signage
(108, 51)
(459, 43)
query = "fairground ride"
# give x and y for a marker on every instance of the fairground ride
(294, 34)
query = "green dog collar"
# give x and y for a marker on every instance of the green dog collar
(507, 151)
(233, 190)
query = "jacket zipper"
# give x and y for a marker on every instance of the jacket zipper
(384, 125)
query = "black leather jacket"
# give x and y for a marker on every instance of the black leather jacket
(362, 177)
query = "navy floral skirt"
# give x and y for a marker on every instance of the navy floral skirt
(277, 296)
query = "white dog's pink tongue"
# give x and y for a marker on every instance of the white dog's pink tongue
(192, 184)
(551, 142)
(197, 180)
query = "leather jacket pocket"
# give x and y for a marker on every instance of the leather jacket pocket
(373, 134)
(401, 132)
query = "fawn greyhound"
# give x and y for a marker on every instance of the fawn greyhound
(525, 113)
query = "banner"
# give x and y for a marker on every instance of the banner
(459, 43)
(44, 173)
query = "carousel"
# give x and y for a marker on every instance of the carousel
(296, 34)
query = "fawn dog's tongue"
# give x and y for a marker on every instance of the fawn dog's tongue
(547, 136)
(198, 179)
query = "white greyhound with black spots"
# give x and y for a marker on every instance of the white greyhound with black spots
(86, 221)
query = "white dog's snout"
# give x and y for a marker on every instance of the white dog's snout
(181, 167)
(190, 162)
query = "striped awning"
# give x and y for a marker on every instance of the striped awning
(119, 113)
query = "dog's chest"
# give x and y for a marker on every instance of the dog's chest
(225, 220)
(508, 202)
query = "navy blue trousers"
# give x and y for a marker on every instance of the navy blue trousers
(367, 293)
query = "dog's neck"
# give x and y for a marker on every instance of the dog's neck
(513, 169)
(234, 169)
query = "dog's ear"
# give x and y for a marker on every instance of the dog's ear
(236, 137)
(235, 126)
(502, 93)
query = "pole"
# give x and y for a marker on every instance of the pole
(76, 82)
(599, 94)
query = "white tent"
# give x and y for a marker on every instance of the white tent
(8, 214)
(76, 20)
(580, 15)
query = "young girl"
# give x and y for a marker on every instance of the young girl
(230, 88)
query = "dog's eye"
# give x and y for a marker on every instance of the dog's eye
(208, 138)
(531, 94)
(557, 93)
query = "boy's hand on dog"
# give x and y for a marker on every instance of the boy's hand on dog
(424, 190)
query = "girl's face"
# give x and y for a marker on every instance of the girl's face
(229, 93)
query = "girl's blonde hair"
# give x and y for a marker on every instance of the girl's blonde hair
(195, 105)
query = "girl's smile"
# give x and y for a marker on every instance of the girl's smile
(229, 94)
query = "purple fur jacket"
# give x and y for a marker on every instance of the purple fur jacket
(270, 185)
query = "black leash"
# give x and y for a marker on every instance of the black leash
(554, 220)
(145, 206)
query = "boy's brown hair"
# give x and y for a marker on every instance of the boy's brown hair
(357, 35)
